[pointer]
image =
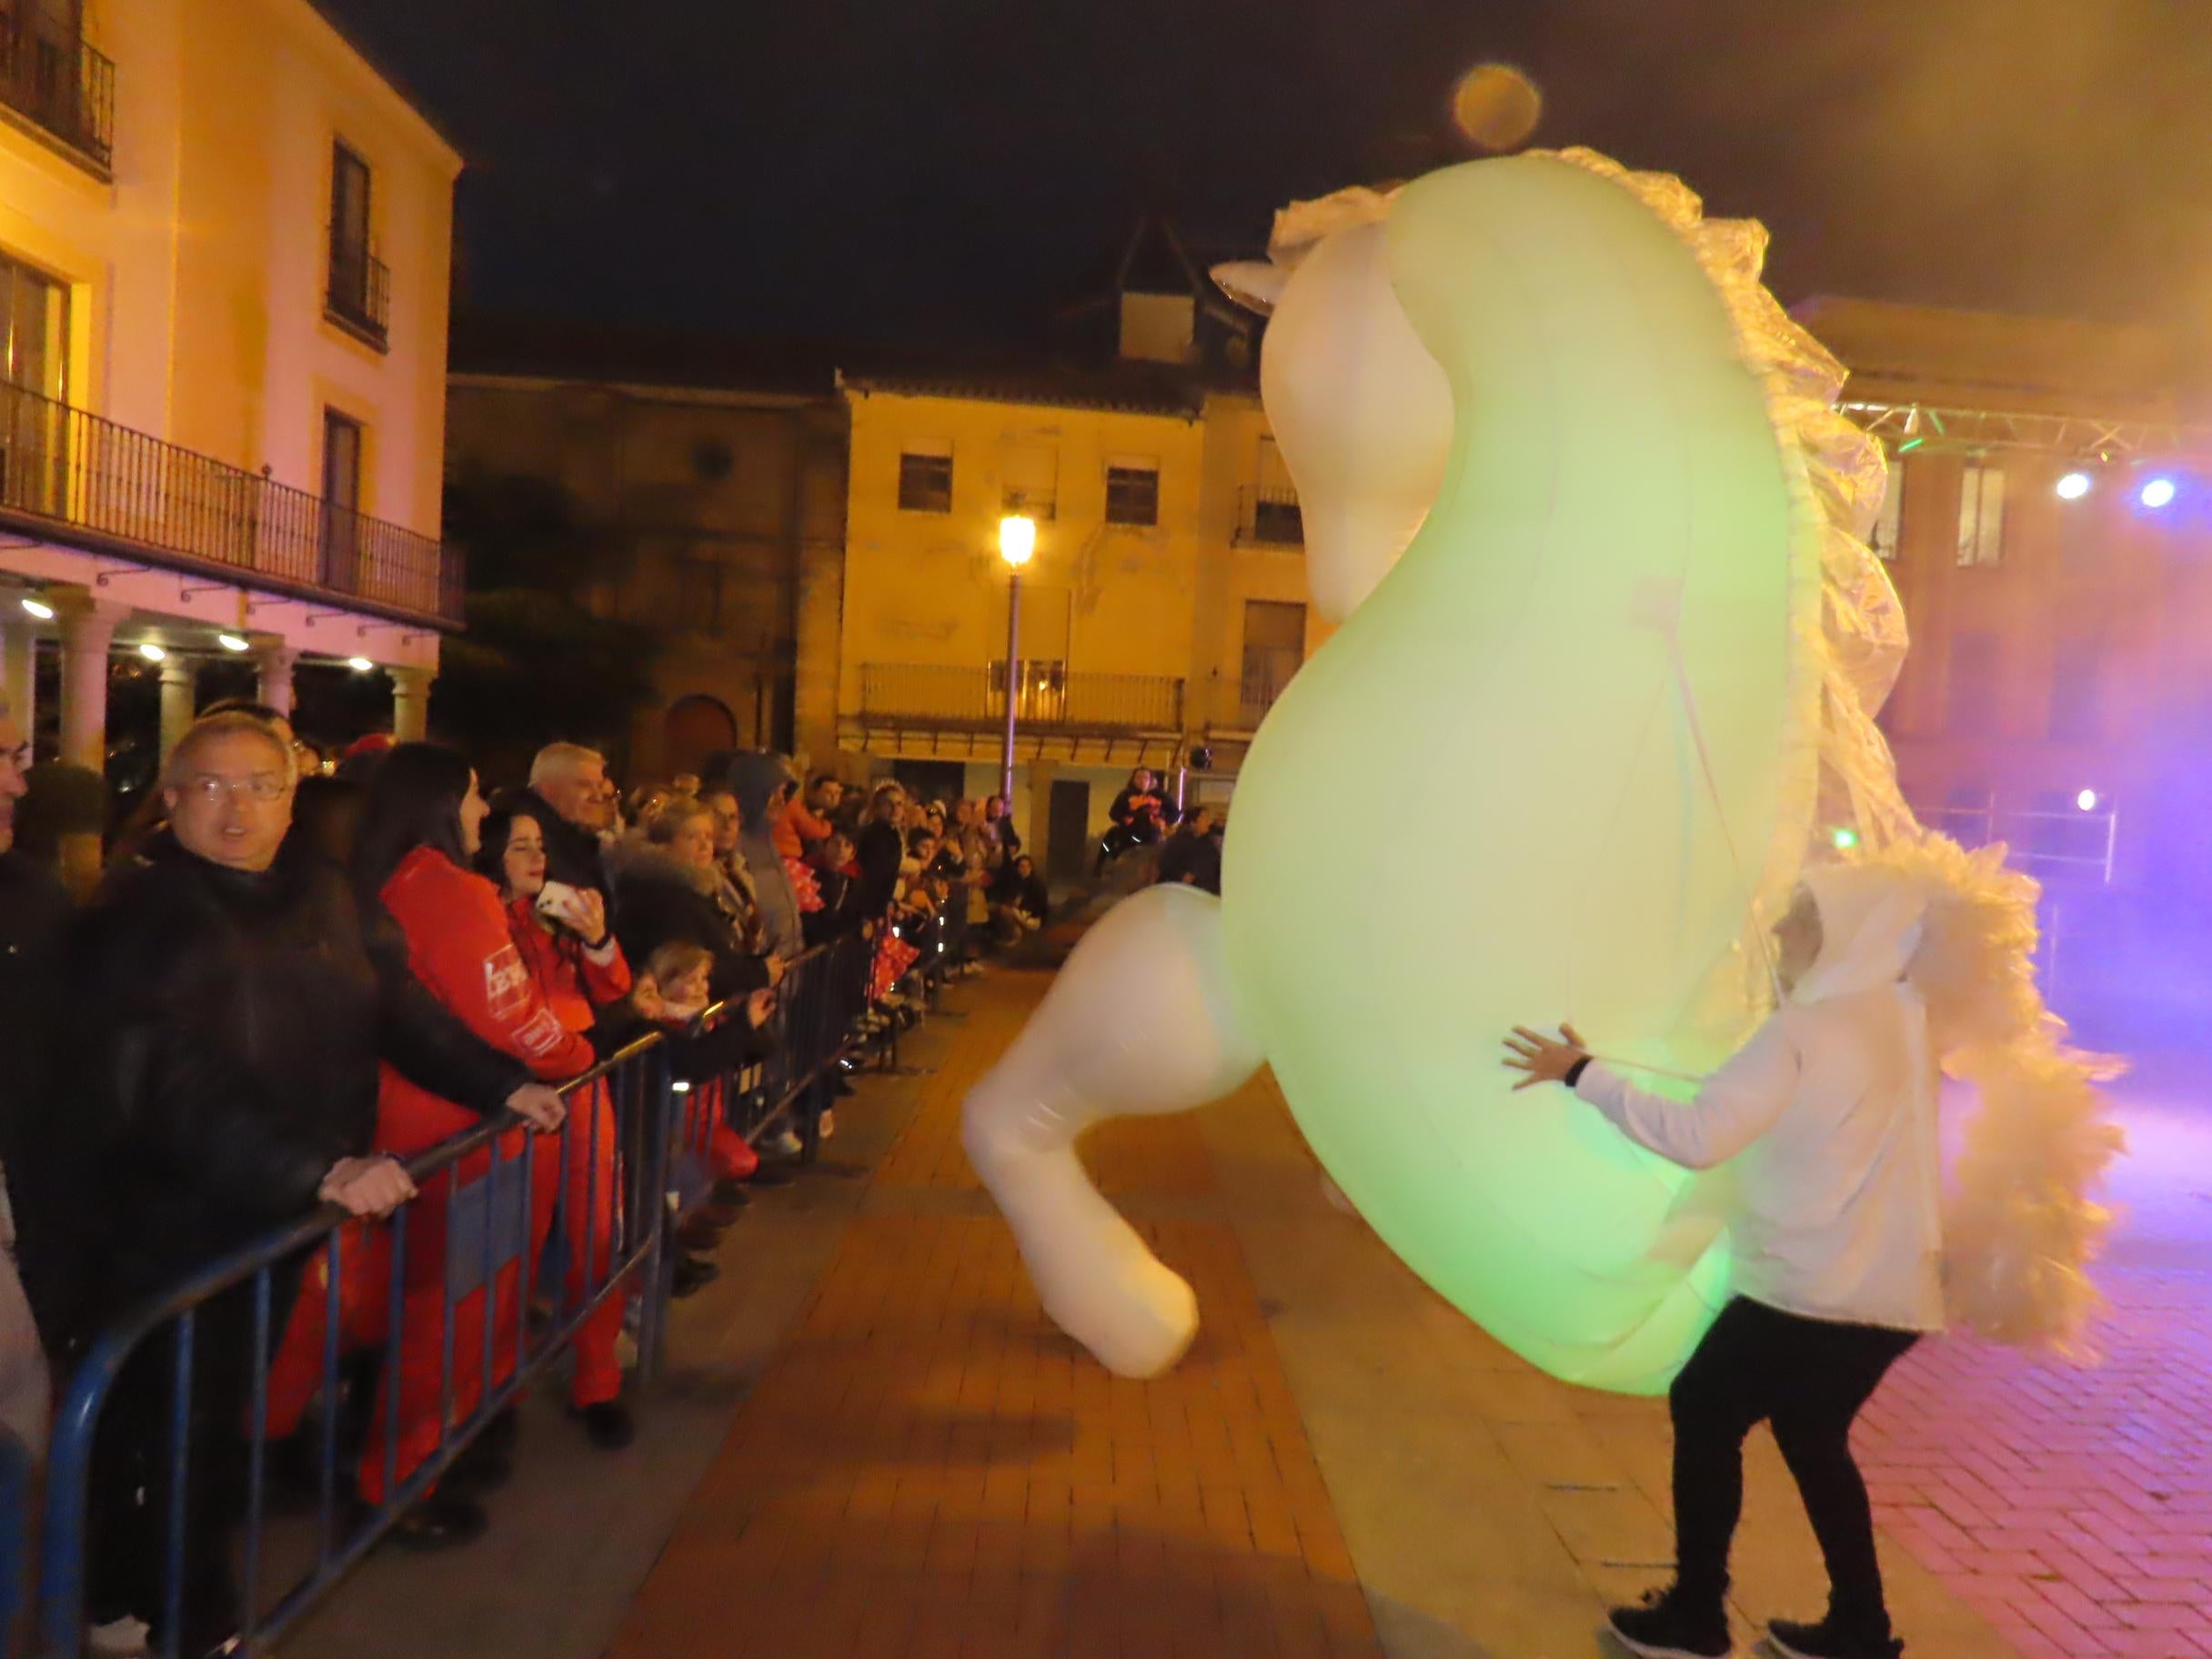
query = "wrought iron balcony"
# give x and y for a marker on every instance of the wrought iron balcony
(359, 296)
(71, 478)
(1267, 515)
(61, 85)
(1050, 698)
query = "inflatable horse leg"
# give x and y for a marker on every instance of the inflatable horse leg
(1139, 1021)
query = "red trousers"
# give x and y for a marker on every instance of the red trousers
(586, 1154)
(365, 1320)
(707, 1132)
(586, 1157)
(420, 1355)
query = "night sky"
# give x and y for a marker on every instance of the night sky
(939, 171)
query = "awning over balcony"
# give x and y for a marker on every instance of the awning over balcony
(74, 479)
(935, 710)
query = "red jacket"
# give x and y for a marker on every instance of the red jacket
(795, 826)
(460, 946)
(573, 983)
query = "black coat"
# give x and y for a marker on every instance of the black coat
(880, 850)
(1028, 895)
(214, 1053)
(660, 903)
(840, 916)
(1199, 856)
(1144, 814)
(33, 907)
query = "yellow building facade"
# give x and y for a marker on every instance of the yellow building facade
(225, 245)
(1164, 608)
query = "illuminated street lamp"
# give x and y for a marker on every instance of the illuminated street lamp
(1016, 547)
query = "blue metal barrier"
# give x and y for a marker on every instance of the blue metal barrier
(197, 1398)
(177, 1430)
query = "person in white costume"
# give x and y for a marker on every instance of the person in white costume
(1829, 1112)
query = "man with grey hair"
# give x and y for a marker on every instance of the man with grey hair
(220, 1016)
(574, 801)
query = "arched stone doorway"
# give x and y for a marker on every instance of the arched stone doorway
(694, 727)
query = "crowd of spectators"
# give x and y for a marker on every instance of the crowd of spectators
(298, 971)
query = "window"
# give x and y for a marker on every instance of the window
(341, 499)
(48, 73)
(1029, 479)
(1269, 514)
(34, 357)
(1972, 709)
(1981, 516)
(925, 477)
(358, 291)
(1133, 492)
(1274, 648)
(2077, 684)
(1889, 519)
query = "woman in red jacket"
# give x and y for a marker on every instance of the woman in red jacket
(418, 833)
(576, 963)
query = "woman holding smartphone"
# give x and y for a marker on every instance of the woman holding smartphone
(420, 830)
(577, 967)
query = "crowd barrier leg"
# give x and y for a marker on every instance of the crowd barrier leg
(659, 1105)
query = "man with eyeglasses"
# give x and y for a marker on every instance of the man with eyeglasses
(214, 1074)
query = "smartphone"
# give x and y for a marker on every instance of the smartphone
(558, 900)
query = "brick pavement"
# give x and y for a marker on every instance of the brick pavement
(2073, 1506)
(927, 1468)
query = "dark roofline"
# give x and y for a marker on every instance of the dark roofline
(383, 72)
(1063, 394)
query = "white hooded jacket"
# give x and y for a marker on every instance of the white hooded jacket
(1830, 1110)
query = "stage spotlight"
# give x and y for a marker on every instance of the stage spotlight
(2086, 801)
(2156, 493)
(2074, 486)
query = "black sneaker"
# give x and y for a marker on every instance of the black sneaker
(1832, 1638)
(1666, 1626)
(692, 1275)
(607, 1425)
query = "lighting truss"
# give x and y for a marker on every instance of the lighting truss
(1918, 426)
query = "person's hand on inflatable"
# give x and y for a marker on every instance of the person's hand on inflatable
(1544, 1061)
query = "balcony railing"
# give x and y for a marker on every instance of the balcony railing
(360, 297)
(1268, 516)
(1258, 694)
(61, 85)
(77, 479)
(909, 694)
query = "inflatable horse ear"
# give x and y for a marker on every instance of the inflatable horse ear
(1360, 408)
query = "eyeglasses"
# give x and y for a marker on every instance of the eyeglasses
(263, 787)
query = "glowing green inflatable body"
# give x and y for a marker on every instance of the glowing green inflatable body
(1566, 753)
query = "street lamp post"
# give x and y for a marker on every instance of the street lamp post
(1017, 544)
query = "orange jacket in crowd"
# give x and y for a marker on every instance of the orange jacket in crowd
(795, 827)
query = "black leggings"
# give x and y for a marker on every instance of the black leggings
(1808, 1378)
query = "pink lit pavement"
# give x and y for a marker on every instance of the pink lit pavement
(872, 1442)
(2073, 1506)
